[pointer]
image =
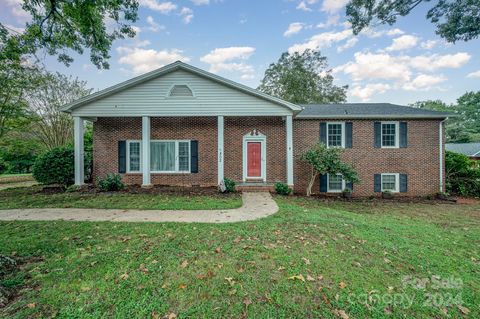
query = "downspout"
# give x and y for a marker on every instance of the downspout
(441, 154)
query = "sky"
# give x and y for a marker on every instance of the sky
(238, 39)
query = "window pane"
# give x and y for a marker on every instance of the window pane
(389, 182)
(183, 156)
(388, 134)
(162, 157)
(335, 182)
(134, 154)
(334, 134)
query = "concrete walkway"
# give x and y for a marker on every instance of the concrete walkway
(255, 206)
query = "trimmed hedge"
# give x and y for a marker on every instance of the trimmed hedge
(55, 167)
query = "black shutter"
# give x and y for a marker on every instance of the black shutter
(122, 157)
(194, 156)
(348, 135)
(403, 134)
(323, 133)
(377, 128)
(403, 183)
(323, 183)
(377, 183)
(349, 185)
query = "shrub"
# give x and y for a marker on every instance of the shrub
(282, 189)
(462, 176)
(55, 167)
(111, 182)
(229, 185)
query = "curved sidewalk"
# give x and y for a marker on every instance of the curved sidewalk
(255, 206)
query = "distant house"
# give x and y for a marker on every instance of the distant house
(472, 150)
(180, 125)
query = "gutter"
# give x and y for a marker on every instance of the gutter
(441, 153)
(373, 116)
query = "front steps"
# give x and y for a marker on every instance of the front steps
(255, 187)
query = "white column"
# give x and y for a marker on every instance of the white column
(220, 129)
(78, 150)
(146, 151)
(289, 126)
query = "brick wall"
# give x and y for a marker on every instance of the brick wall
(420, 160)
(108, 131)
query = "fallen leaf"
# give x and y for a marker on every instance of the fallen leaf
(310, 278)
(201, 276)
(232, 292)
(218, 250)
(387, 260)
(341, 314)
(342, 285)
(124, 276)
(184, 264)
(237, 240)
(154, 261)
(306, 261)
(31, 305)
(230, 280)
(170, 316)
(142, 268)
(463, 309)
(182, 286)
(298, 277)
(247, 301)
(387, 310)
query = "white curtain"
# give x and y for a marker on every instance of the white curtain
(162, 156)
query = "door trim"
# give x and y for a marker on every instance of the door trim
(255, 136)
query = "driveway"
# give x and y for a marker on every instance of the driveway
(255, 206)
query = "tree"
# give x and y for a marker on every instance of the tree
(302, 78)
(61, 25)
(324, 160)
(52, 127)
(455, 19)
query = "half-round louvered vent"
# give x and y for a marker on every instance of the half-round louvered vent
(181, 91)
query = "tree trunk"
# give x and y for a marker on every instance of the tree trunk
(312, 181)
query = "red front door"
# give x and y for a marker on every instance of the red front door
(254, 159)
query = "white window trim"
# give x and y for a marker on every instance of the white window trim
(128, 156)
(344, 185)
(343, 134)
(177, 157)
(397, 182)
(397, 134)
(263, 141)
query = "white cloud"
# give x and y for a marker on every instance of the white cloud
(321, 40)
(230, 59)
(371, 33)
(153, 26)
(13, 29)
(187, 15)
(365, 93)
(349, 44)
(403, 43)
(331, 20)
(144, 60)
(332, 6)
(435, 61)
(17, 10)
(162, 7)
(293, 28)
(303, 5)
(475, 74)
(424, 82)
(200, 2)
(429, 44)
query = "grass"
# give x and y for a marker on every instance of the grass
(15, 178)
(346, 252)
(32, 197)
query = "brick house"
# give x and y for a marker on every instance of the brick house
(180, 125)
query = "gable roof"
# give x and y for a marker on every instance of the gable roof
(368, 110)
(178, 65)
(469, 149)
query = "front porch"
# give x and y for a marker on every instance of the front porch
(246, 149)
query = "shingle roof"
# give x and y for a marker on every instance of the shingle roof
(367, 110)
(469, 149)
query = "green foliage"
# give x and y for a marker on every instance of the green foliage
(229, 185)
(462, 175)
(465, 126)
(17, 154)
(111, 182)
(55, 167)
(58, 27)
(302, 78)
(324, 160)
(282, 189)
(455, 20)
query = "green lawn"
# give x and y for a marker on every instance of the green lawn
(347, 253)
(32, 197)
(15, 178)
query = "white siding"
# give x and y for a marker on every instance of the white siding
(151, 99)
